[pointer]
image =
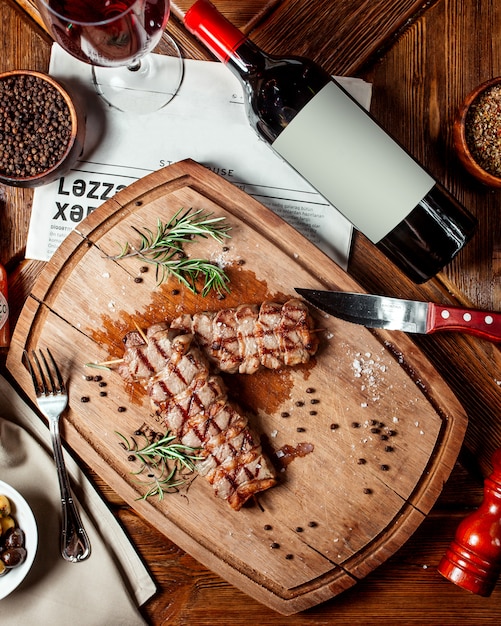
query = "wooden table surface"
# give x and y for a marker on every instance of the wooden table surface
(422, 58)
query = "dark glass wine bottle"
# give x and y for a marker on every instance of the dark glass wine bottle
(328, 138)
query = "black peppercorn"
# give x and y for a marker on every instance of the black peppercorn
(35, 126)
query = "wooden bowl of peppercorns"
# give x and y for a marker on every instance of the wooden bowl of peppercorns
(41, 130)
(477, 133)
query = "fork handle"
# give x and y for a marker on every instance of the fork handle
(75, 544)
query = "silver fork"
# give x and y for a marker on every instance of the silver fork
(52, 399)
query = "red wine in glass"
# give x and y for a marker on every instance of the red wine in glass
(116, 34)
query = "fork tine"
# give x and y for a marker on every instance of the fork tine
(32, 372)
(60, 380)
(48, 372)
(43, 383)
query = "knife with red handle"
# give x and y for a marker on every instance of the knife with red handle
(407, 315)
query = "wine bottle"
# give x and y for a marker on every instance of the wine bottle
(334, 144)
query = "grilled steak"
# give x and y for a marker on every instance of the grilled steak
(195, 407)
(248, 337)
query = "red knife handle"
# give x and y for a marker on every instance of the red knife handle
(484, 324)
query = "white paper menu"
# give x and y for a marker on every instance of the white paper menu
(206, 122)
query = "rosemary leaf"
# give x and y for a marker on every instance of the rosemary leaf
(166, 463)
(164, 248)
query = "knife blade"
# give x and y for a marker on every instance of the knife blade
(410, 316)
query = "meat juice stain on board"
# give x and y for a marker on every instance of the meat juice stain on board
(263, 391)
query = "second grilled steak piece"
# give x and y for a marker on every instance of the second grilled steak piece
(247, 337)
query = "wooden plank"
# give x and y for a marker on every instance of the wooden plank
(346, 34)
(355, 499)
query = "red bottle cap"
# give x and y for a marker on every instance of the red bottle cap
(205, 22)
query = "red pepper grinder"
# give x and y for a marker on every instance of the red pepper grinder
(473, 560)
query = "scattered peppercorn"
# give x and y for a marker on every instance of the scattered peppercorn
(284, 414)
(312, 524)
(300, 429)
(289, 556)
(268, 527)
(385, 468)
(84, 399)
(121, 409)
(310, 390)
(138, 279)
(367, 490)
(35, 126)
(275, 545)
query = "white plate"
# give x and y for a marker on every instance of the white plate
(26, 521)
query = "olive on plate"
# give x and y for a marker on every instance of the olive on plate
(12, 550)
(13, 557)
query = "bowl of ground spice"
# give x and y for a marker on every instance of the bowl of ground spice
(41, 130)
(477, 133)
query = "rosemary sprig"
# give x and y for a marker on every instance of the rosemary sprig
(166, 463)
(164, 248)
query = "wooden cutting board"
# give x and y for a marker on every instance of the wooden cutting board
(382, 428)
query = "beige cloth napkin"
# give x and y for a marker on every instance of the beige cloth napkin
(107, 588)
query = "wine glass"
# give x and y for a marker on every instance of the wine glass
(116, 38)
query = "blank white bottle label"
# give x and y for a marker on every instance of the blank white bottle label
(353, 163)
